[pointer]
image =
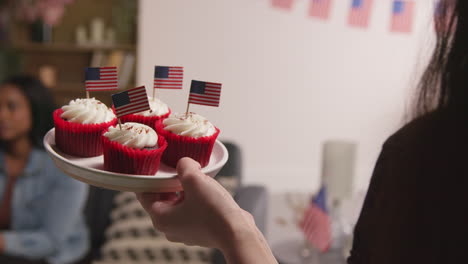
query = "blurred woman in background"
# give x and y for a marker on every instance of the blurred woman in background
(41, 217)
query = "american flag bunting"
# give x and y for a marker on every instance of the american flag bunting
(283, 4)
(320, 8)
(402, 16)
(359, 13)
(134, 100)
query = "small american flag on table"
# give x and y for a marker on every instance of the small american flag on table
(101, 79)
(166, 77)
(402, 16)
(205, 93)
(134, 100)
(316, 224)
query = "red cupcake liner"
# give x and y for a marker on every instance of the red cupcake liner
(178, 146)
(146, 120)
(123, 159)
(83, 140)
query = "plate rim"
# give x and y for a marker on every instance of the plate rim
(51, 151)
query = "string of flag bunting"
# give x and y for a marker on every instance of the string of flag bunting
(359, 13)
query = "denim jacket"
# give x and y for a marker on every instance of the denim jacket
(47, 213)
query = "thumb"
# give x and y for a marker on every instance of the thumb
(190, 174)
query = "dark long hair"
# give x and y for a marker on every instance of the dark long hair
(444, 83)
(41, 102)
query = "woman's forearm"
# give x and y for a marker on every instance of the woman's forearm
(207, 215)
(248, 245)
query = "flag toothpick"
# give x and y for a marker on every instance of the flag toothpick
(204, 93)
(100, 79)
(167, 77)
(187, 111)
(134, 100)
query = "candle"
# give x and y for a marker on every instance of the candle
(80, 35)
(97, 31)
(338, 163)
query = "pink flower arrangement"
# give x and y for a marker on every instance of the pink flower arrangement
(49, 11)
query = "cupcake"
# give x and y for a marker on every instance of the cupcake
(159, 111)
(187, 136)
(133, 149)
(79, 126)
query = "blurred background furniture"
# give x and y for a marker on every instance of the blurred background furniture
(98, 208)
(52, 62)
(121, 232)
(83, 33)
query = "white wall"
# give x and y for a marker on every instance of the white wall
(289, 81)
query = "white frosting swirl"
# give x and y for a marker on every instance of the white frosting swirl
(133, 135)
(87, 111)
(193, 125)
(158, 108)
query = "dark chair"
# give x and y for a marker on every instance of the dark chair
(233, 167)
(97, 211)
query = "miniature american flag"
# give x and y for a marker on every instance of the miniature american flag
(205, 93)
(320, 8)
(360, 13)
(284, 4)
(166, 77)
(131, 101)
(316, 223)
(101, 79)
(402, 16)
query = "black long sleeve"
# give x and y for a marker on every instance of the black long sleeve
(416, 208)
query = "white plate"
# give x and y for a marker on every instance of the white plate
(90, 170)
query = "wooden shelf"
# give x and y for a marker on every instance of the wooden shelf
(64, 61)
(63, 97)
(62, 47)
(79, 87)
